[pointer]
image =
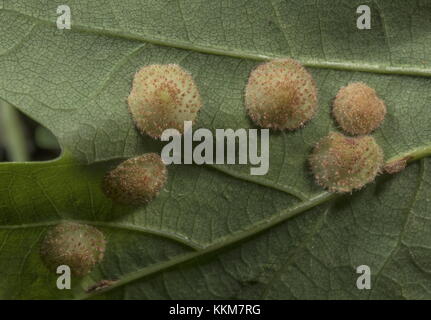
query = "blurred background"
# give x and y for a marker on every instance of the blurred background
(22, 139)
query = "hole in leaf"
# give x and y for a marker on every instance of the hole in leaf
(23, 139)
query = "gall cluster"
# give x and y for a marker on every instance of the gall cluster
(341, 163)
(279, 95)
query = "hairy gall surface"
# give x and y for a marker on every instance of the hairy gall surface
(136, 181)
(281, 95)
(76, 245)
(358, 109)
(163, 97)
(342, 164)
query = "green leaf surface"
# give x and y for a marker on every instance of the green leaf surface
(216, 231)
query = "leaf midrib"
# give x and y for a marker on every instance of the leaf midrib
(254, 230)
(235, 53)
(231, 239)
(224, 242)
(285, 214)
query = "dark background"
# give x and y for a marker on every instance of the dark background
(37, 143)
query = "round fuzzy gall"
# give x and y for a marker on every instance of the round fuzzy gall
(280, 95)
(342, 164)
(163, 97)
(136, 181)
(358, 109)
(78, 246)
